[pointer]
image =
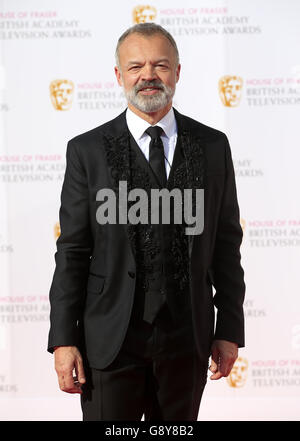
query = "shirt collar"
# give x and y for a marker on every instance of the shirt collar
(138, 125)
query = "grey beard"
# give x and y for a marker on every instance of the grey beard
(151, 103)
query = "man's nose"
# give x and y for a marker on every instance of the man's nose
(148, 73)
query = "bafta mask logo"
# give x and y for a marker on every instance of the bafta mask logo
(230, 90)
(143, 14)
(238, 375)
(61, 93)
(56, 230)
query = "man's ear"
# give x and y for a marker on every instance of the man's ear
(118, 76)
(178, 69)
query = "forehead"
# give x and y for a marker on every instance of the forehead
(137, 45)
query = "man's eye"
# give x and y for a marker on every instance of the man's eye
(134, 67)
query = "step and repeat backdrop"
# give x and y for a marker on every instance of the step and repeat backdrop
(241, 75)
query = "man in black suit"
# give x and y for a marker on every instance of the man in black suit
(132, 305)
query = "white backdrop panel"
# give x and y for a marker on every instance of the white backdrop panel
(254, 44)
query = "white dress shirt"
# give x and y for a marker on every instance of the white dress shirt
(138, 125)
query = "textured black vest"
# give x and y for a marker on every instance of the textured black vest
(161, 250)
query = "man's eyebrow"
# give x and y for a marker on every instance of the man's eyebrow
(161, 60)
(133, 62)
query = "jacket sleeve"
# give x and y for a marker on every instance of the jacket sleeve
(72, 258)
(228, 273)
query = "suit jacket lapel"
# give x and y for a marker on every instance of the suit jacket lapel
(141, 160)
(193, 148)
(117, 149)
(190, 143)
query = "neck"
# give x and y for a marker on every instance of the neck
(153, 117)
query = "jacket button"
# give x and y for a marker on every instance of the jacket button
(131, 274)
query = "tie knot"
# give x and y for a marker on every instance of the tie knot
(154, 132)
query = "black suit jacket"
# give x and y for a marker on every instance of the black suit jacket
(93, 285)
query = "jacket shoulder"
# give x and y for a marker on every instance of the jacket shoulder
(110, 128)
(214, 142)
(198, 129)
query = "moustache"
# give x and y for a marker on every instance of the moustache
(154, 83)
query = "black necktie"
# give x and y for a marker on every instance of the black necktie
(156, 154)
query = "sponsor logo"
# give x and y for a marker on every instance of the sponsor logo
(61, 93)
(259, 92)
(86, 95)
(283, 373)
(272, 233)
(28, 168)
(143, 14)
(56, 230)
(20, 24)
(196, 21)
(230, 90)
(23, 309)
(278, 91)
(238, 375)
(253, 310)
(247, 168)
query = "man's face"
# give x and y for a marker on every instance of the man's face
(148, 72)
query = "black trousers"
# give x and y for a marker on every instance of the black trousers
(157, 373)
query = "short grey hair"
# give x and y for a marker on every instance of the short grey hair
(146, 30)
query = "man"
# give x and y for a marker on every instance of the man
(132, 307)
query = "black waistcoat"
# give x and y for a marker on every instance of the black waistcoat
(161, 250)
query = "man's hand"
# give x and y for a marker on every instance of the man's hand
(223, 355)
(68, 358)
